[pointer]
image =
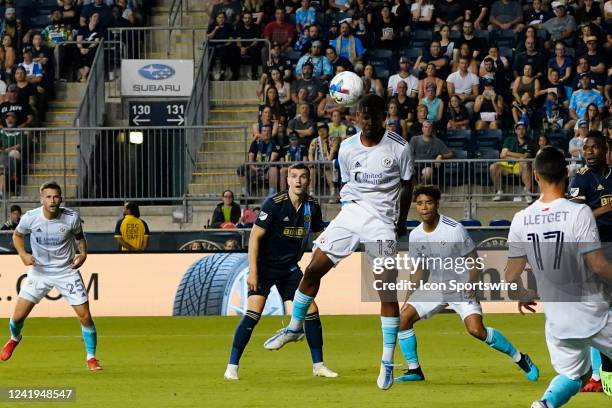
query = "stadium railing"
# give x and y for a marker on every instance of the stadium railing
(177, 8)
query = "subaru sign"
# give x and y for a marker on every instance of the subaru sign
(145, 78)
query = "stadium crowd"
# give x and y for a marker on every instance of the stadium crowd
(42, 41)
(463, 79)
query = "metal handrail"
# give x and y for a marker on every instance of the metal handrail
(175, 11)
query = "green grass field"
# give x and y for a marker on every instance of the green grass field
(179, 362)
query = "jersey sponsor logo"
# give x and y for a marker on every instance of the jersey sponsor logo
(387, 162)
(294, 231)
(372, 178)
(263, 215)
(605, 200)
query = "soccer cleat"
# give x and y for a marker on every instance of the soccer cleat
(539, 404)
(7, 350)
(231, 372)
(531, 370)
(323, 371)
(606, 382)
(385, 377)
(592, 386)
(282, 337)
(93, 364)
(412, 374)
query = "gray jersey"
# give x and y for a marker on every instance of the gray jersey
(52, 241)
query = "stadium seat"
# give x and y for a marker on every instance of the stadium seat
(411, 53)
(292, 55)
(489, 139)
(507, 52)
(499, 223)
(412, 223)
(505, 38)
(560, 138)
(381, 53)
(420, 38)
(455, 36)
(459, 139)
(456, 173)
(470, 222)
(480, 172)
(542, 33)
(482, 34)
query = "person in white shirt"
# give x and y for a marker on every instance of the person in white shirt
(464, 84)
(53, 263)
(440, 239)
(560, 241)
(404, 75)
(377, 170)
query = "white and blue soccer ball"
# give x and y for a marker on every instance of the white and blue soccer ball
(346, 88)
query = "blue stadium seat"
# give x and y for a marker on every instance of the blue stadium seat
(482, 34)
(382, 53)
(499, 223)
(383, 74)
(459, 139)
(470, 222)
(412, 223)
(457, 173)
(455, 36)
(480, 172)
(560, 138)
(505, 38)
(420, 39)
(542, 33)
(489, 139)
(412, 53)
(292, 55)
(507, 52)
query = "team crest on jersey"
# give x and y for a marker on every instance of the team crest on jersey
(62, 229)
(574, 191)
(263, 215)
(387, 162)
(307, 218)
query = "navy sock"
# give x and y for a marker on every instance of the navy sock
(243, 335)
(314, 336)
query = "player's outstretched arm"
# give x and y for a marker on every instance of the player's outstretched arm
(598, 264)
(514, 270)
(80, 258)
(19, 244)
(257, 233)
(405, 200)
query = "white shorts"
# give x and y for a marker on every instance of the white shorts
(69, 284)
(423, 302)
(572, 357)
(352, 226)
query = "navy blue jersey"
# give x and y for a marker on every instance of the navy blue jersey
(286, 229)
(596, 191)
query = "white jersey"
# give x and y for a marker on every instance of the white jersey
(554, 237)
(52, 241)
(442, 248)
(372, 174)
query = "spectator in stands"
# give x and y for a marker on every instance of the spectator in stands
(322, 68)
(327, 106)
(224, 52)
(88, 38)
(465, 52)
(532, 57)
(8, 55)
(227, 211)
(96, 7)
(249, 216)
(303, 125)
(463, 84)
(323, 148)
(406, 106)
(435, 105)
(576, 145)
(57, 32)
(122, 15)
(279, 30)
(523, 110)
(263, 150)
(256, 9)
(555, 109)
(305, 15)
(23, 112)
(348, 46)
(34, 70)
(337, 128)
(489, 107)
(596, 61)
(436, 57)
(231, 9)
(13, 148)
(265, 121)
(337, 61)
(27, 93)
(488, 70)
(446, 44)
(231, 245)
(249, 50)
(582, 98)
(13, 221)
(531, 32)
(428, 147)
(311, 84)
(588, 12)
(371, 82)
(422, 13)
(543, 141)
(11, 26)
(505, 15)
(131, 232)
(277, 61)
(405, 76)
(291, 153)
(196, 246)
(477, 45)
(416, 128)
(562, 26)
(561, 62)
(43, 55)
(283, 87)
(593, 117)
(386, 31)
(534, 16)
(457, 115)
(401, 127)
(273, 102)
(339, 6)
(431, 79)
(514, 147)
(526, 83)
(69, 14)
(449, 12)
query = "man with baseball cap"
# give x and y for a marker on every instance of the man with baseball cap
(404, 75)
(321, 67)
(563, 25)
(22, 111)
(582, 98)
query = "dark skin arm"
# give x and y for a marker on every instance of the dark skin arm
(405, 200)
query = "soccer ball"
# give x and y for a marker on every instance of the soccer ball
(346, 88)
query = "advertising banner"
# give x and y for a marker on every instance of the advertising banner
(164, 77)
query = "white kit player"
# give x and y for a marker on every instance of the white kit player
(449, 254)
(377, 169)
(53, 263)
(560, 241)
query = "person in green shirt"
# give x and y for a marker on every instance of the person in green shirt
(227, 211)
(515, 147)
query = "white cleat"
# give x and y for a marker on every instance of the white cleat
(231, 372)
(282, 337)
(385, 377)
(538, 404)
(322, 371)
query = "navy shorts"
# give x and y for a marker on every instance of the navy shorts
(286, 281)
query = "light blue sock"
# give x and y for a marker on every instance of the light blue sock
(90, 337)
(500, 343)
(595, 363)
(560, 390)
(301, 303)
(408, 345)
(15, 329)
(390, 327)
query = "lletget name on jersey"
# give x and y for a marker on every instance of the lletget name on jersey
(537, 219)
(449, 286)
